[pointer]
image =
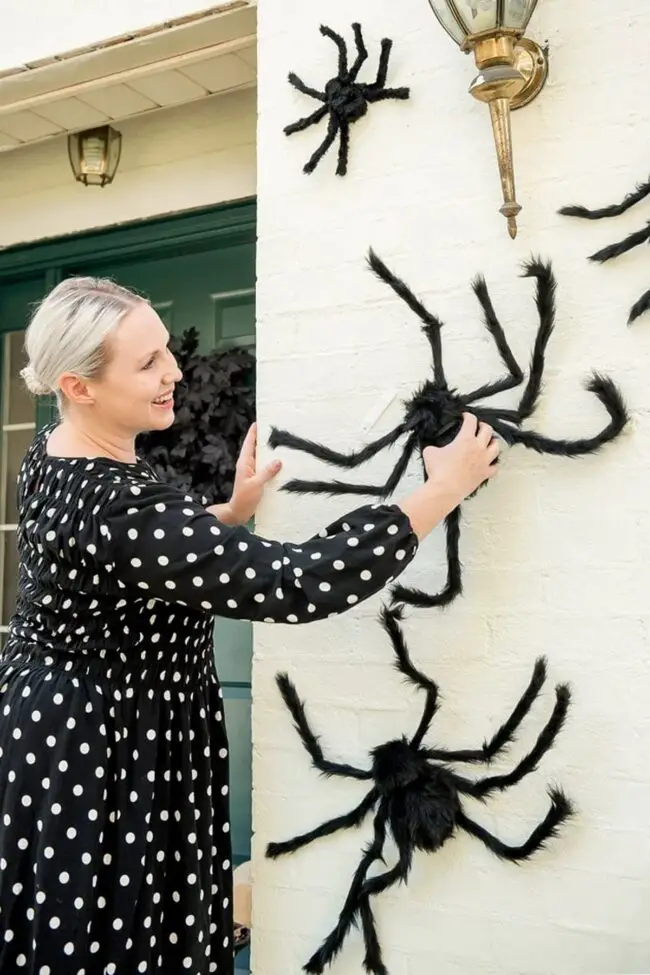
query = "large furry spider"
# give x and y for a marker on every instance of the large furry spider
(433, 415)
(622, 246)
(345, 99)
(416, 795)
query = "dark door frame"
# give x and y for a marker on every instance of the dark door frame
(191, 231)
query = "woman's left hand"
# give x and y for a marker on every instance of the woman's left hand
(250, 483)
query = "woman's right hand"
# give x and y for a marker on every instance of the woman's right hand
(464, 464)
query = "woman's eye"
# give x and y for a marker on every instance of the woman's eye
(149, 364)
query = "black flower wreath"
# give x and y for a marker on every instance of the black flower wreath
(215, 406)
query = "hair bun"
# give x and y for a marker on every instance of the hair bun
(33, 383)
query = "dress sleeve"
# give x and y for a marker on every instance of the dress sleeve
(172, 548)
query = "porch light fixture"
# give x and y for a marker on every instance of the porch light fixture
(512, 70)
(95, 155)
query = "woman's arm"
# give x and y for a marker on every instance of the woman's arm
(166, 546)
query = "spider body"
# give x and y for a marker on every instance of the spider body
(344, 99)
(416, 795)
(433, 415)
(611, 251)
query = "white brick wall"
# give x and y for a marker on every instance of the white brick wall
(546, 568)
(173, 160)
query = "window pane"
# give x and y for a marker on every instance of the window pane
(16, 443)
(9, 564)
(19, 405)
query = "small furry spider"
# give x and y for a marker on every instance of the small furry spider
(416, 794)
(345, 99)
(433, 415)
(615, 250)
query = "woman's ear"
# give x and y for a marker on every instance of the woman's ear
(75, 389)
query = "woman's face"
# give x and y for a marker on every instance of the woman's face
(135, 391)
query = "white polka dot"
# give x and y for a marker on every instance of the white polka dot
(392, 529)
(353, 541)
(338, 564)
(55, 922)
(324, 586)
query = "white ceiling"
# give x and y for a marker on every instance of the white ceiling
(175, 64)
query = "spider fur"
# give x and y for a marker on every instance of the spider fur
(621, 247)
(344, 99)
(416, 795)
(433, 415)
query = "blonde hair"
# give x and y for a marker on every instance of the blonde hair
(68, 331)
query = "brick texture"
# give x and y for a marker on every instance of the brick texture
(555, 551)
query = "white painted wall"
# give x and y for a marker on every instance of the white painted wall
(555, 552)
(173, 160)
(70, 24)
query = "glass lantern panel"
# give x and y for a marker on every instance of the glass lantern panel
(517, 13)
(478, 15)
(447, 20)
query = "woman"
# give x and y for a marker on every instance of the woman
(114, 846)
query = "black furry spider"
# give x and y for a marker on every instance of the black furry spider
(433, 415)
(416, 795)
(345, 99)
(615, 250)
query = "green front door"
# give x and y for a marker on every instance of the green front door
(196, 274)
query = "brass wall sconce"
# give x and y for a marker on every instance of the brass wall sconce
(512, 70)
(95, 155)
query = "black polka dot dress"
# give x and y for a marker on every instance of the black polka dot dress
(114, 822)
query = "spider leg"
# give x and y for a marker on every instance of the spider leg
(432, 324)
(640, 192)
(372, 95)
(372, 962)
(344, 148)
(495, 329)
(310, 741)
(528, 764)
(381, 882)
(622, 246)
(506, 733)
(560, 810)
(545, 301)
(362, 52)
(348, 821)
(341, 45)
(389, 619)
(347, 917)
(297, 486)
(332, 132)
(304, 123)
(300, 85)
(608, 394)
(454, 584)
(282, 438)
(639, 307)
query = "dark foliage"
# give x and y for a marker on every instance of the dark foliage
(215, 406)
(433, 415)
(623, 246)
(416, 795)
(345, 100)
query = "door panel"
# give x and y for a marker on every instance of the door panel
(17, 427)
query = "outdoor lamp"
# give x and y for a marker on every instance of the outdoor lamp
(95, 155)
(512, 70)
